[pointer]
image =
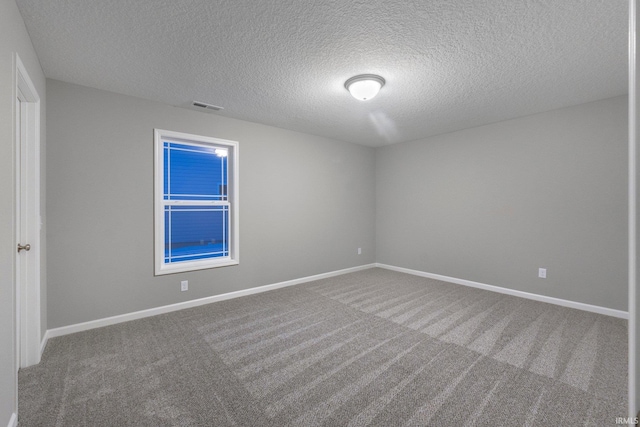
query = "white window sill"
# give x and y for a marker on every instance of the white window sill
(193, 266)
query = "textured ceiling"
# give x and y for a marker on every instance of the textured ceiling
(448, 64)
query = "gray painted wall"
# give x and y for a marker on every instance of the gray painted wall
(634, 305)
(13, 38)
(494, 203)
(306, 204)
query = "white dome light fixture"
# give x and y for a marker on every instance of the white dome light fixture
(364, 86)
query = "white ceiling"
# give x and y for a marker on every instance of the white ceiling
(448, 64)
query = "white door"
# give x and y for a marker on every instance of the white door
(18, 227)
(27, 219)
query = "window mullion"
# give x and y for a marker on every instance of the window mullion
(196, 203)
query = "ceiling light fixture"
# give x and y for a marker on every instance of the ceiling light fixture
(364, 86)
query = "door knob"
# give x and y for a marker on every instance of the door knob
(26, 247)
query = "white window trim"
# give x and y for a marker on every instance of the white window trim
(232, 195)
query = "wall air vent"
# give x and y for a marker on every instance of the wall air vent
(205, 106)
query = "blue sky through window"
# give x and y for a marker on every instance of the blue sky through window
(195, 174)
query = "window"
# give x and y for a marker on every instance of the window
(196, 202)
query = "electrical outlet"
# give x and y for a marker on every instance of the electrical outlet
(184, 285)
(542, 273)
(359, 251)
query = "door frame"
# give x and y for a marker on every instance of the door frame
(27, 149)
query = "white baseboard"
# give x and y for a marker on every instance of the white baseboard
(536, 297)
(13, 421)
(79, 327)
(65, 330)
(43, 343)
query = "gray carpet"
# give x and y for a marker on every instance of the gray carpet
(374, 347)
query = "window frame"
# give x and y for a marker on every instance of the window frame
(160, 137)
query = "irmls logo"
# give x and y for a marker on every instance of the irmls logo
(627, 420)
